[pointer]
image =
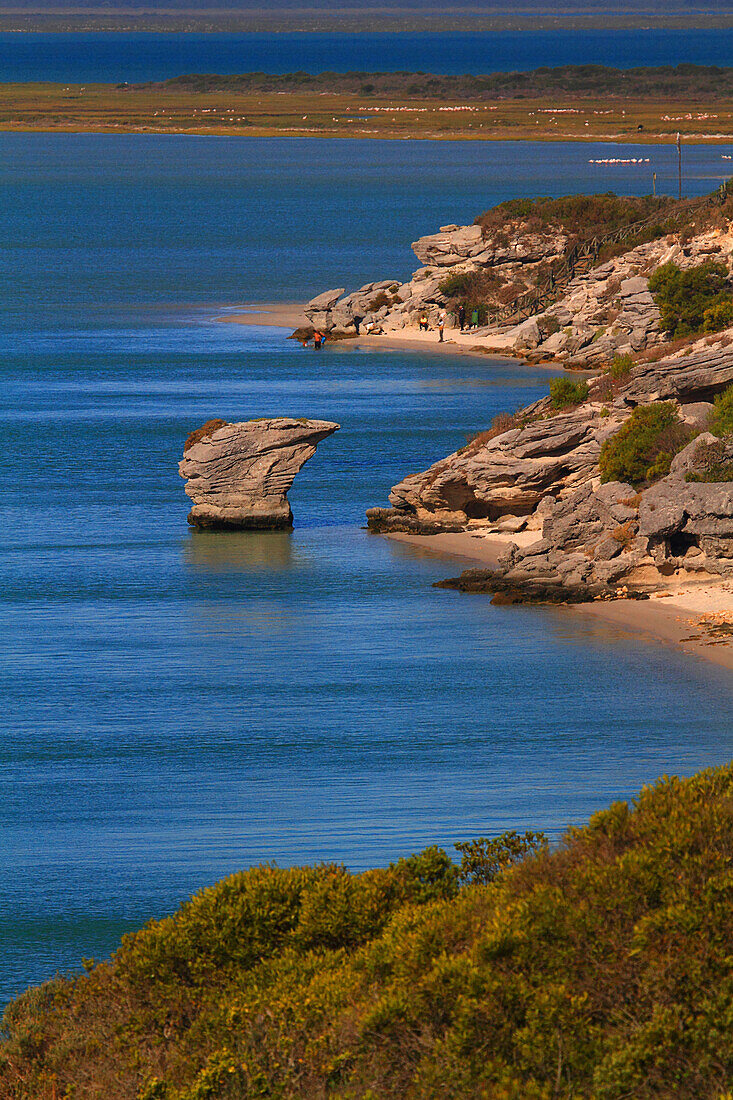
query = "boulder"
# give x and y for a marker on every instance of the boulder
(238, 475)
(323, 302)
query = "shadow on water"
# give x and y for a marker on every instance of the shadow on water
(239, 551)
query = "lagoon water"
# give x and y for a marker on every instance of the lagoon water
(178, 705)
(103, 57)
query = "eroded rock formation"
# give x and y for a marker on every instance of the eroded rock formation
(238, 475)
(601, 312)
(542, 477)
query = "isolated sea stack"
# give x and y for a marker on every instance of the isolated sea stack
(238, 475)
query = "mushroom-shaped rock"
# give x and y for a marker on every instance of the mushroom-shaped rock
(238, 475)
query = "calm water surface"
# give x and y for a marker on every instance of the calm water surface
(177, 705)
(132, 57)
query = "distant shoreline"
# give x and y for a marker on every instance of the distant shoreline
(345, 21)
(290, 316)
(642, 106)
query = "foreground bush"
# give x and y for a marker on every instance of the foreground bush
(643, 448)
(721, 422)
(599, 971)
(692, 301)
(564, 392)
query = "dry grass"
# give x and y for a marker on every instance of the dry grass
(203, 432)
(322, 113)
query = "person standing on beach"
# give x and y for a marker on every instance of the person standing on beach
(462, 316)
(441, 325)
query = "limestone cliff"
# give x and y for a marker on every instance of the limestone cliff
(238, 475)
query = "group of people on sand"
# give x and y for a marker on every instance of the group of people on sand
(319, 338)
(463, 324)
(424, 324)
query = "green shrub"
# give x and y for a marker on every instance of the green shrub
(721, 471)
(483, 859)
(643, 448)
(620, 366)
(565, 392)
(721, 422)
(691, 299)
(471, 289)
(718, 316)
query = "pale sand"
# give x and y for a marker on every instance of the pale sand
(682, 616)
(289, 315)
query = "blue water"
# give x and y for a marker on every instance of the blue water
(133, 57)
(177, 705)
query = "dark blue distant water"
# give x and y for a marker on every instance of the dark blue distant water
(179, 705)
(132, 57)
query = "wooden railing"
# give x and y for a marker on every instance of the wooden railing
(583, 255)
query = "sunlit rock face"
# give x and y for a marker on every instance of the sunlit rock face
(238, 475)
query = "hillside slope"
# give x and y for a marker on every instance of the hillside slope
(600, 970)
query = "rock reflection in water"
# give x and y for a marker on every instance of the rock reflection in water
(239, 551)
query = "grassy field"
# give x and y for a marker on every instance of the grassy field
(184, 110)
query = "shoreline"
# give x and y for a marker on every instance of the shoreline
(673, 618)
(289, 315)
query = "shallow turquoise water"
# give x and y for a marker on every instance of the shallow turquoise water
(178, 705)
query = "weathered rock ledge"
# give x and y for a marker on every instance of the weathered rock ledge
(238, 475)
(542, 476)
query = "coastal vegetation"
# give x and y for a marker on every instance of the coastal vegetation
(706, 82)
(596, 969)
(620, 366)
(580, 217)
(641, 451)
(722, 418)
(582, 102)
(357, 19)
(693, 300)
(564, 392)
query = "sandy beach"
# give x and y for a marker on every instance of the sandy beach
(289, 315)
(696, 617)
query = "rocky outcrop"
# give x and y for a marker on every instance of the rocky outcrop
(601, 312)
(238, 475)
(589, 543)
(606, 536)
(509, 474)
(694, 376)
(390, 305)
(689, 524)
(466, 244)
(343, 316)
(541, 476)
(549, 453)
